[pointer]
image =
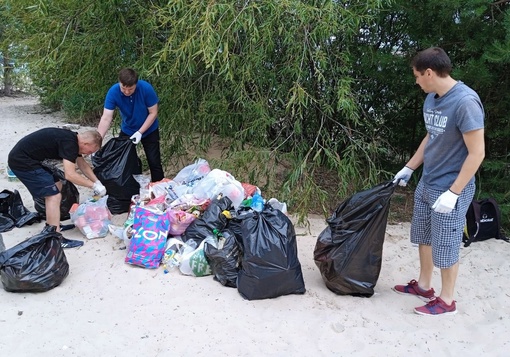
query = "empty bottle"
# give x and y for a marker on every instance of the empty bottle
(257, 202)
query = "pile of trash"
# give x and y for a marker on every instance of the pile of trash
(202, 222)
(205, 222)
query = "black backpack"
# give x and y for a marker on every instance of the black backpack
(483, 221)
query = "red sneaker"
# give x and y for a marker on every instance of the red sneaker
(412, 288)
(437, 307)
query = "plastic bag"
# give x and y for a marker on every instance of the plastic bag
(224, 257)
(191, 174)
(92, 218)
(282, 206)
(157, 204)
(348, 252)
(187, 256)
(13, 212)
(6, 223)
(35, 265)
(220, 182)
(160, 188)
(179, 221)
(190, 203)
(171, 257)
(211, 219)
(143, 181)
(250, 190)
(2, 245)
(194, 262)
(147, 245)
(114, 165)
(270, 266)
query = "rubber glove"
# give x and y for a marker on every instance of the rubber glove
(136, 137)
(403, 176)
(99, 189)
(446, 202)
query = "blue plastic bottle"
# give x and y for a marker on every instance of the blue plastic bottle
(257, 202)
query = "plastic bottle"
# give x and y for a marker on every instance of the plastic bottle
(220, 239)
(257, 202)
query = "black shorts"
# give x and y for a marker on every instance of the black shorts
(40, 182)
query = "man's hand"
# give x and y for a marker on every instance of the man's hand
(446, 202)
(403, 176)
(99, 189)
(136, 137)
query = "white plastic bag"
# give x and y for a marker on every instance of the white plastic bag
(219, 181)
(282, 206)
(194, 263)
(191, 174)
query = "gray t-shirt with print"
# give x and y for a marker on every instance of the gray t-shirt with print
(446, 119)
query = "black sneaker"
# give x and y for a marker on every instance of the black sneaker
(70, 243)
(64, 242)
(63, 227)
(66, 227)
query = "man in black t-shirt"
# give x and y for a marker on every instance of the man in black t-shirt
(26, 158)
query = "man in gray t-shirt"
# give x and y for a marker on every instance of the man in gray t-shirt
(451, 153)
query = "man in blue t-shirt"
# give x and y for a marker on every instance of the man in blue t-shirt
(451, 152)
(138, 106)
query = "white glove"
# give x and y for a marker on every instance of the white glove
(403, 176)
(446, 202)
(136, 137)
(99, 189)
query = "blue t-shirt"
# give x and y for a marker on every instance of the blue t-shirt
(134, 108)
(446, 119)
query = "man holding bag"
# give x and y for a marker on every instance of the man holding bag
(26, 161)
(138, 106)
(451, 152)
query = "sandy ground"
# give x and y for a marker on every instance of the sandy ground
(106, 307)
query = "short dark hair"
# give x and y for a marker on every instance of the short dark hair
(128, 77)
(434, 58)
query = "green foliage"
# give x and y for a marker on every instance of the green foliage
(264, 76)
(77, 106)
(310, 100)
(492, 181)
(74, 49)
(475, 34)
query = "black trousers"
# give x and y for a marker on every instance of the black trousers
(150, 145)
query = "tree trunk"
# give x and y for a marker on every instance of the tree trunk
(7, 75)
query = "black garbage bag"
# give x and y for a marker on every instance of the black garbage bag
(2, 245)
(211, 219)
(348, 252)
(114, 165)
(6, 223)
(225, 259)
(270, 266)
(69, 192)
(35, 265)
(13, 213)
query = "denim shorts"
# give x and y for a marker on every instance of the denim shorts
(39, 182)
(442, 231)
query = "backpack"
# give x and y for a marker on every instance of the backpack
(483, 221)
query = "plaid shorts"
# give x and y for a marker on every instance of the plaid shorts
(442, 231)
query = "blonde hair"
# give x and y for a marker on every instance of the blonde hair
(92, 137)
